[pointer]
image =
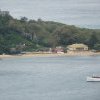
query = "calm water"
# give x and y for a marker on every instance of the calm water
(49, 78)
(84, 13)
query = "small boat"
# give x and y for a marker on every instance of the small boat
(93, 79)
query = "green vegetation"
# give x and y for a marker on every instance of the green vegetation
(32, 35)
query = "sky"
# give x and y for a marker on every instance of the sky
(83, 13)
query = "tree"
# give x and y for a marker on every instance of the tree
(97, 47)
(92, 41)
(23, 19)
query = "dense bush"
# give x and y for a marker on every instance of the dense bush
(36, 34)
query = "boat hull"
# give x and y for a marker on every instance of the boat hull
(91, 79)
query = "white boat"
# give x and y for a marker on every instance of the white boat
(93, 79)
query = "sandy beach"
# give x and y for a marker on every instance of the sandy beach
(50, 54)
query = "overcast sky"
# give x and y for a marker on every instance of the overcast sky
(84, 13)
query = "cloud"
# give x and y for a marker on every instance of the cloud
(66, 11)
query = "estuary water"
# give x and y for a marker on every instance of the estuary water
(49, 78)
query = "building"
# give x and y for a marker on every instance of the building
(58, 49)
(77, 48)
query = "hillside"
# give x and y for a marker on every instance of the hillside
(32, 35)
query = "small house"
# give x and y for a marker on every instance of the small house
(77, 48)
(59, 50)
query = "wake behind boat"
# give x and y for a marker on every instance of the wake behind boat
(93, 79)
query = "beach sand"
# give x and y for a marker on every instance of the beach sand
(50, 54)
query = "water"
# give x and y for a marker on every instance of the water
(83, 13)
(49, 78)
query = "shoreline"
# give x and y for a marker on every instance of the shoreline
(50, 55)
